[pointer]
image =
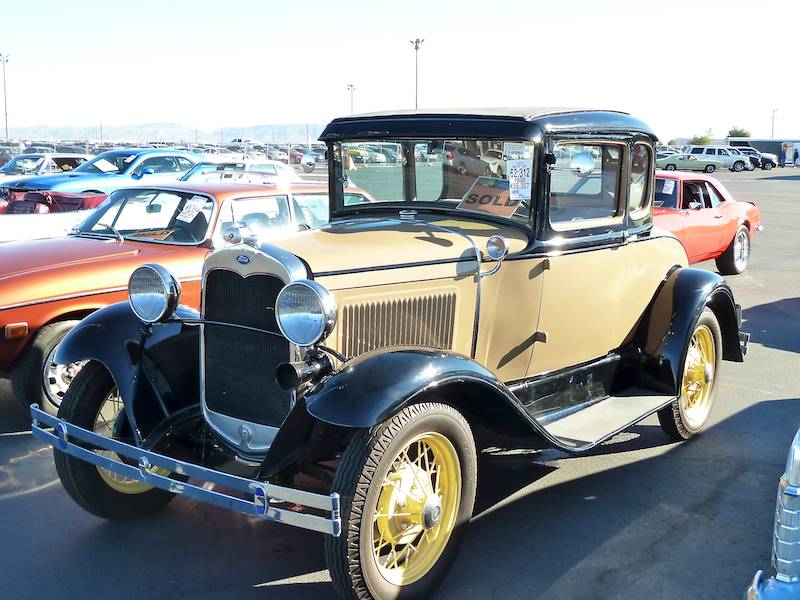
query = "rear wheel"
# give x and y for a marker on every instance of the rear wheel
(670, 167)
(93, 402)
(36, 377)
(408, 488)
(738, 166)
(688, 414)
(734, 260)
(710, 168)
(768, 165)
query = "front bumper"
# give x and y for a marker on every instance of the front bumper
(259, 497)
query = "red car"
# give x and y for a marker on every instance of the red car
(707, 220)
(48, 201)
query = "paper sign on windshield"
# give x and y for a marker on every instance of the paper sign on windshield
(520, 179)
(490, 195)
(190, 209)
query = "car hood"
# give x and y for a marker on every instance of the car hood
(365, 244)
(48, 182)
(37, 270)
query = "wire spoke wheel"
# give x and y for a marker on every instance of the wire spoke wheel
(105, 424)
(416, 509)
(698, 378)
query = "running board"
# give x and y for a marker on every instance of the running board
(598, 421)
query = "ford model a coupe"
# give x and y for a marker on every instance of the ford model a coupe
(363, 354)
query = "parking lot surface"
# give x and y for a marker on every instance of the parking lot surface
(640, 517)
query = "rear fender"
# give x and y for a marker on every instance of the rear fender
(155, 367)
(665, 333)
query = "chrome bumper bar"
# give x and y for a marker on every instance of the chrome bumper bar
(259, 497)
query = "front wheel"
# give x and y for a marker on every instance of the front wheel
(407, 488)
(93, 402)
(710, 168)
(738, 166)
(670, 167)
(688, 414)
(768, 165)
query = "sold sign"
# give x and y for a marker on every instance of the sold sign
(491, 195)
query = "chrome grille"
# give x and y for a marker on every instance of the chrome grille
(421, 321)
(239, 370)
(786, 540)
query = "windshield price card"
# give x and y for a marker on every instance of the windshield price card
(490, 195)
(520, 179)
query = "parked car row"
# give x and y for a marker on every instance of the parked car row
(711, 158)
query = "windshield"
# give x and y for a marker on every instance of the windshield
(453, 173)
(151, 216)
(22, 165)
(116, 161)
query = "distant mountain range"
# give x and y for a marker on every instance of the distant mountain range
(170, 132)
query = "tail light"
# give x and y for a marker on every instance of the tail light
(449, 156)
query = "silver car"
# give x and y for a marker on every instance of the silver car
(730, 157)
(785, 583)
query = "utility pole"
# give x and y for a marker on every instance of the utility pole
(416, 43)
(4, 60)
(351, 88)
(774, 110)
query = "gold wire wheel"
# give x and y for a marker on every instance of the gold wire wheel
(698, 378)
(104, 423)
(417, 508)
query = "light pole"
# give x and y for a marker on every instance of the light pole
(774, 110)
(4, 60)
(416, 43)
(351, 88)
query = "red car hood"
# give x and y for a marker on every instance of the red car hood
(44, 269)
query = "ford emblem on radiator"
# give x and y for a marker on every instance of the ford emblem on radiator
(243, 259)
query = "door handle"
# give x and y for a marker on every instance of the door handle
(717, 216)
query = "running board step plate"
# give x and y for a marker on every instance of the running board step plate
(601, 420)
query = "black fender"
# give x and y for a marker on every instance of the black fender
(372, 387)
(155, 367)
(665, 333)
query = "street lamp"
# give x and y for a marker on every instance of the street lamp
(4, 60)
(351, 88)
(416, 43)
(774, 110)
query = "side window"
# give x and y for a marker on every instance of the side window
(641, 165)
(159, 164)
(714, 199)
(722, 152)
(584, 184)
(313, 208)
(711, 151)
(697, 151)
(261, 214)
(184, 164)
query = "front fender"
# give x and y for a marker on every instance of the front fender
(665, 334)
(157, 363)
(374, 386)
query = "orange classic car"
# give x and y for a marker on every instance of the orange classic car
(47, 286)
(707, 220)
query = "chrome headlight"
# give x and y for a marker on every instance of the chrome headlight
(153, 293)
(306, 312)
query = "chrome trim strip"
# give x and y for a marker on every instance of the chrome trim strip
(264, 493)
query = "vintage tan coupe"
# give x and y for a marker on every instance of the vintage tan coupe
(364, 354)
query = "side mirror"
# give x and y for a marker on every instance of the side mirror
(582, 164)
(694, 205)
(303, 227)
(497, 247)
(148, 171)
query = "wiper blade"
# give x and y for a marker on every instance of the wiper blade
(113, 230)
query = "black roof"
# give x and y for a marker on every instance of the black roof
(505, 123)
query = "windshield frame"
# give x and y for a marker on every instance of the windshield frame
(337, 189)
(212, 220)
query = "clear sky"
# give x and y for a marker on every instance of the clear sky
(683, 66)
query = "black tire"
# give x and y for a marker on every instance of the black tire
(768, 165)
(358, 480)
(670, 167)
(671, 418)
(738, 166)
(82, 480)
(710, 168)
(308, 168)
(730, 262)
(462, 169)
(27, 376)
(500, 174)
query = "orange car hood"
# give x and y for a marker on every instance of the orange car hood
(42, 269)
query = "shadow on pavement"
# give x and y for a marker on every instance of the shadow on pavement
(12, 418)
(793, 177)
(775, 324)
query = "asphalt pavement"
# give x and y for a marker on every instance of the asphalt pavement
(640, 517)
